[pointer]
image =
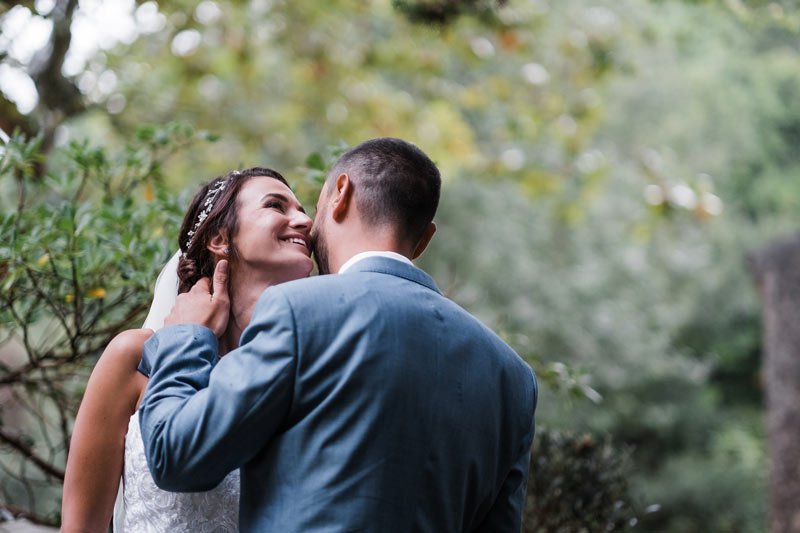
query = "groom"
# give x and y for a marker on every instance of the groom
(363, 401)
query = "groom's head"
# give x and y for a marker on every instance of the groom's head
(381, 195)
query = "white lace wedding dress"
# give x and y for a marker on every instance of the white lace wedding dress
(148, 509)
(142, 507)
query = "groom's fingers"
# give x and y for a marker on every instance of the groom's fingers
(220, 281)
(203, 307)
(201, 286)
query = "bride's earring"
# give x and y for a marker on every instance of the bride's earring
(226, 251)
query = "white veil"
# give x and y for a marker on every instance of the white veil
(164, 295)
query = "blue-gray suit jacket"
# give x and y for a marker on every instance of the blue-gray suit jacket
(365, 401)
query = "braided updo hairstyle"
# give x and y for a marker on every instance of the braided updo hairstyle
(197, 261)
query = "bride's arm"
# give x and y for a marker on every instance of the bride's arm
(94, 464)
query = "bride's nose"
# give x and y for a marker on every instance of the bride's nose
(300, 220)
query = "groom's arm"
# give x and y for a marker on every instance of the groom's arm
(506, 512)
(201, 416)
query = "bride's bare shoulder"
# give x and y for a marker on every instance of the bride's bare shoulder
(115, 384)
(126, 347)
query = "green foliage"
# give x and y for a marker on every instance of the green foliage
(577, 484)
(706, 483)
(315, 170)
(80, 250)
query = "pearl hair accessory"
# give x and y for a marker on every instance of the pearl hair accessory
(208, 205)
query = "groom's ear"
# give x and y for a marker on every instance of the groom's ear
(218, 245)
(341, 197)
(423, 242)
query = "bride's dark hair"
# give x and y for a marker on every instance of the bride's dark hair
(214, 209)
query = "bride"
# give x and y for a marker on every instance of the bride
(252, 219)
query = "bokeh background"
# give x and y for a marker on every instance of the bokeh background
(611, 169)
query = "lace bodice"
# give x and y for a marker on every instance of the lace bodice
(148, 509)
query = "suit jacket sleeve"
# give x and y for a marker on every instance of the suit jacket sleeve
(201, 416)
(506, 512)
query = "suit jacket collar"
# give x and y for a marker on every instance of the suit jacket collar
(393, 267)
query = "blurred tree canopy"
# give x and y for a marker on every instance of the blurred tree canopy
(607, 166)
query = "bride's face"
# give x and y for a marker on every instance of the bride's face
(272, 231)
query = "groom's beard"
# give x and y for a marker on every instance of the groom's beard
(319, 248)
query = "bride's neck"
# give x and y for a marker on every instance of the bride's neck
(243, 293)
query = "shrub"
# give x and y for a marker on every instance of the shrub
(577, 483)
(82, 236)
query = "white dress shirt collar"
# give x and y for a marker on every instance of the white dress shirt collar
(364, 255)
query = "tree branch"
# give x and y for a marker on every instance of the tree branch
(30, 455)
(19, 512)
(59, 98)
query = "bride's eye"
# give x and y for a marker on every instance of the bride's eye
(274, 204)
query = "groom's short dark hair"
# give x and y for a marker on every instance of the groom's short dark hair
(395, 183)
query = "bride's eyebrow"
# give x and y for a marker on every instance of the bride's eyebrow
(282, 198)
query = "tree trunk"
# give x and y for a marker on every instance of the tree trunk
(777, 271)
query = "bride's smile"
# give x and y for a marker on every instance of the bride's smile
(271, 235)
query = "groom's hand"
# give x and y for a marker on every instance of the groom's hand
(206, 304)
